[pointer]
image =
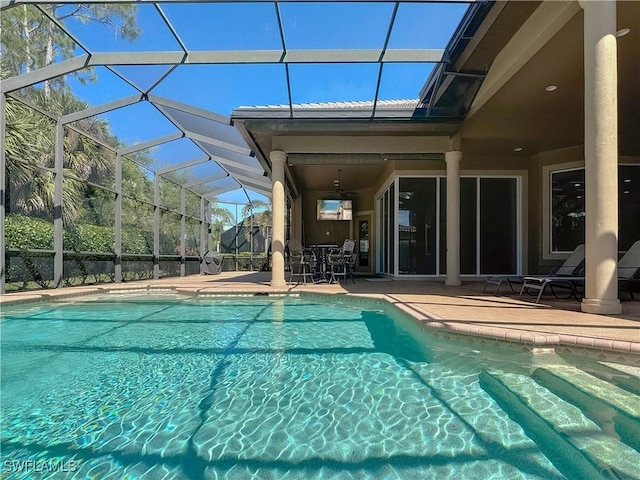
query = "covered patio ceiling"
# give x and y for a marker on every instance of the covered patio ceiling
(169, 89)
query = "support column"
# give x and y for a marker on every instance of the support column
(156, 226)
(3, 193)
(183, 231)
(203, 234)
(453, 217)
(278, 158)
(601, 158)
(117, 228)
(58, 226)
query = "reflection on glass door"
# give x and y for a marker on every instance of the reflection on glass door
(498, 225)
(363, 243)
(489, 226)
(417, 217)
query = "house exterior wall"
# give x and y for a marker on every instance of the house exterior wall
(534, 171)
(322, 231)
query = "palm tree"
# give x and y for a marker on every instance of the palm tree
(220, 217)
(30, 41)
(256, 214)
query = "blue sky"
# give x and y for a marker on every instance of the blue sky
(239, 26)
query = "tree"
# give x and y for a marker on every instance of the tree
(256, 214)
(220, 217)
(31, 40)
(30, 149)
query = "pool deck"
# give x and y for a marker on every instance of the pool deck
(551, 324)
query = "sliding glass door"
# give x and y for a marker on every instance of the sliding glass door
(489, 226)
(417, 226)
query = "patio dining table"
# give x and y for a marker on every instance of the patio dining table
(321, 252)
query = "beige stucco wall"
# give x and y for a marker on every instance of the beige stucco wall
(315, 231)
(533, 169)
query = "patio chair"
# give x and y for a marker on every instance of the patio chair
(302, 262)
(571, 267)
(570, 275)
(340, 262)
(629, 270)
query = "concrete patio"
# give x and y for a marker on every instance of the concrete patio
(553, 323)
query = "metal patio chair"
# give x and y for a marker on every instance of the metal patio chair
(302, 262)
(340, 262)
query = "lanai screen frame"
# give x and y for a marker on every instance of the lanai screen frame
(246, 176)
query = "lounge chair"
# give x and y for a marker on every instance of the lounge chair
(572, 267)
(629, 270)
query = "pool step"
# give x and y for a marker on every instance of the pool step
(626, 377)
(575, 444)
(598, 399)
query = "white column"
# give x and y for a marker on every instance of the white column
(278, 158)
(453, 159)
(601, 158)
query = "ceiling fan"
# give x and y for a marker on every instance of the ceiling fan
(340, 192)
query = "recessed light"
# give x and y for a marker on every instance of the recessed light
(579, 196)
(622, 32)
(576, 184)
(627, 180)
(626, 192)
(517, 149)
(551, 88)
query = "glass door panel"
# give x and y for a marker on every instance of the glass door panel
(468, 225)
(417, 226)
(498, 225)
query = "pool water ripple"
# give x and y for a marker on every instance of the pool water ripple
(175, 387)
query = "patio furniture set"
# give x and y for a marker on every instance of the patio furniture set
(321, 263)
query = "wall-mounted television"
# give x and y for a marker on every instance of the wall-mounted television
(329, 209)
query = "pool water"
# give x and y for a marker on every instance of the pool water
(164, 386)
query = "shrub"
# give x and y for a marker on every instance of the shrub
(31, 233)
(90, 238)
(137, 242)
(24, 232)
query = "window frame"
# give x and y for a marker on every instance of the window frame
(521, 177)
(547, 173)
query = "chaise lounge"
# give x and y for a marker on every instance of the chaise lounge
(628, 272)
(572, 267)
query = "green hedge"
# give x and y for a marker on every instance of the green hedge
(25, 233)
(89, 238)
(28, 232)
(137, 242)
(243, 262)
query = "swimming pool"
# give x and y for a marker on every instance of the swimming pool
(172, 386)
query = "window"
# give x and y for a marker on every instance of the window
(567, 210)
(567, 219)
(628, 206)
(417, 226)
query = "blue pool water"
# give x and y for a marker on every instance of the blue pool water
(163, 386)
